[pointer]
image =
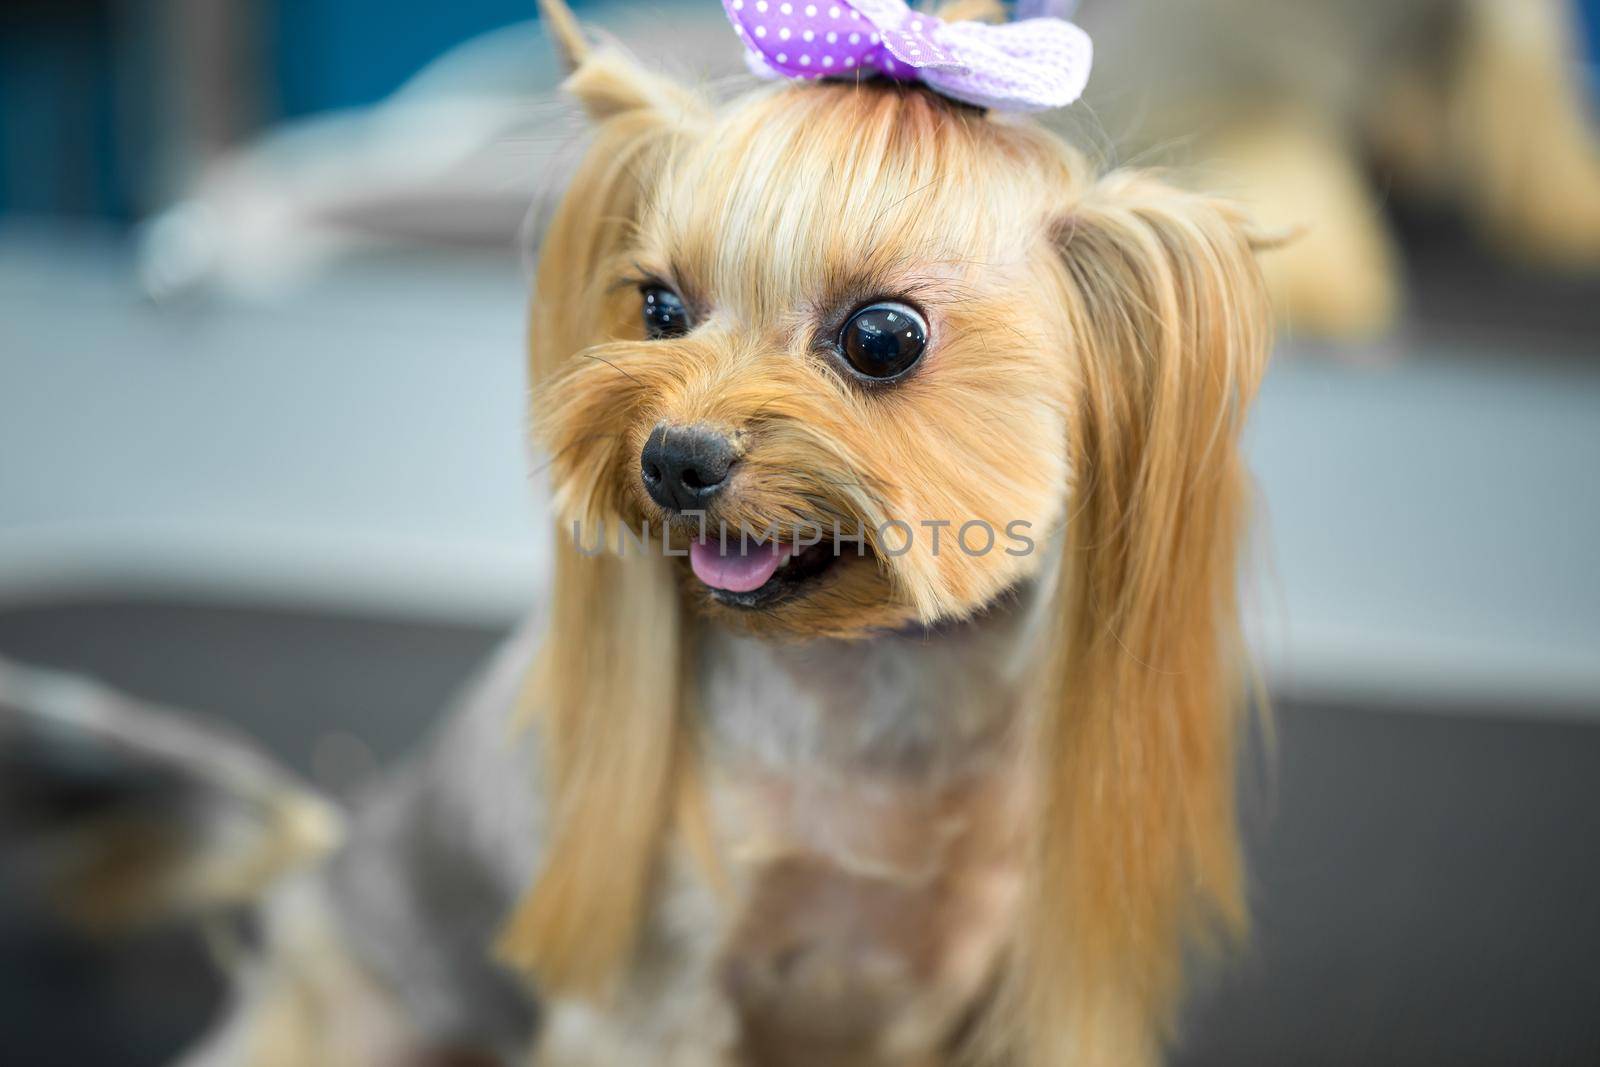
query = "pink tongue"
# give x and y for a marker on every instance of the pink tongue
(736, 572)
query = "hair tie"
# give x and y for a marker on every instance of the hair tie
(1029, 65)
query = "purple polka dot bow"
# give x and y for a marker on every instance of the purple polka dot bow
(1030, 65)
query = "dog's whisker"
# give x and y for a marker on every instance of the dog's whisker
(613, 366)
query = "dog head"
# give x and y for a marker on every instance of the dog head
(864, 310)
(839, 317)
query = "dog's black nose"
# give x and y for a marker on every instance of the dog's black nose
(685, 467)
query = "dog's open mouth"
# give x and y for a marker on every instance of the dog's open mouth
(748, 575)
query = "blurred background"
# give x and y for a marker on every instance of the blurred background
(262, 287)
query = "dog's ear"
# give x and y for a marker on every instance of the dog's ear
(1137, 848)
(638, 115)
(603, 77)
(606, 692)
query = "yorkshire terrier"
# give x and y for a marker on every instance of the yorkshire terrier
(885, 703)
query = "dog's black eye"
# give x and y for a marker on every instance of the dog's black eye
(884, 340)
(664, 313)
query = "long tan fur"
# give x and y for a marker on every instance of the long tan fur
(1137, 732)
(606, 693)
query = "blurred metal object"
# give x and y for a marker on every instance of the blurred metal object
(210, 78)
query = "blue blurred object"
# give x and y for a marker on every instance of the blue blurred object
(60, 150)
(356, 52)
(86, 89)
(1589, 16)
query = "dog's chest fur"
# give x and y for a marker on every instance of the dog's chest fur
(867, 807)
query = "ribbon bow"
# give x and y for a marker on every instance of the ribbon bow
(1028, 65)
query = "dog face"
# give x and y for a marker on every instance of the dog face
(841, 310)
